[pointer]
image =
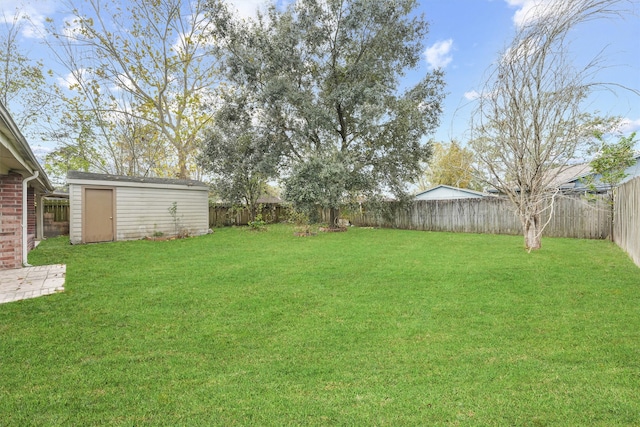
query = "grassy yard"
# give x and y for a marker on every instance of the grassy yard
(368, 327)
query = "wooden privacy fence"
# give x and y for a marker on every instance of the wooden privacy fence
(58, 207)
(626, 224)
(220, 215)
(56, 217)
(572, 216)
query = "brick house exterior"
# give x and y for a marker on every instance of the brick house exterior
(19, 171)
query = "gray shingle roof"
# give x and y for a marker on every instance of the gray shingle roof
(121, 178)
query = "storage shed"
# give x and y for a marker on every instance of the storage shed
(105, 207)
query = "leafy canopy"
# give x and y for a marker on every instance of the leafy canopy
(451, 164)
(237, 153)
(612, 161)
(325, 75)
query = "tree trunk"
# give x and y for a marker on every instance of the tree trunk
(253, 212)
(334, 214)
(183, 172)
(532, 232)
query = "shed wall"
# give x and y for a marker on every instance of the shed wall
(142, 211)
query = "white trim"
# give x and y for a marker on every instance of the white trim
(25, 219)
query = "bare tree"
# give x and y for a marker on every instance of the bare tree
(23, 88)
(529, 123)
(146, 63)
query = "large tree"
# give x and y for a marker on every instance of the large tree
(144, 71)
(240, 156)
(530, 123)
(23, 85)
(451, 164)
(326, 77)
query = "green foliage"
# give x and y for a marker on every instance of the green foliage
(369, 327)
(611, 162)
(240, 157)
(173, 211)
(297, 217)
(326, 76)
(69, 158)
(302, 222)
(316, 183)
(258, 224)
(453, 165)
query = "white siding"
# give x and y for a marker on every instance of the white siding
(75, 213)
(142, 212)
(143, 209)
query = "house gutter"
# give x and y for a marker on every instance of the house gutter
(25, 218)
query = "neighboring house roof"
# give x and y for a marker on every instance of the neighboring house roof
(16, 155)
(57, 195)
(264, 200)
(578, 177)
(446, 192)
(575, 177)
(271, 200)
(570, 174)
(77, 175)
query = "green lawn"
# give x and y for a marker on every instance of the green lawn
(367, 327)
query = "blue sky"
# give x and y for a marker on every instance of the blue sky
(465, 37)
(477, 30)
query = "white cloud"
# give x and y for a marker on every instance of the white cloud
(472, 95)
(72, 28)
(439, 54)
(247, 8)
(528, 10)
(71, 79)
(629, 125)
(32, 16)
(9, 8)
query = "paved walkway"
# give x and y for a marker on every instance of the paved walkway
(31, 282)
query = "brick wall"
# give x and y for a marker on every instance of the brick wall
(10, 221)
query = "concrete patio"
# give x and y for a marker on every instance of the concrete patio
(31, 282)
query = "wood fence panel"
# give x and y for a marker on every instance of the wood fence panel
(626, 224)
(59, 209)
(223, 215)
(566, 217)
(55, 217)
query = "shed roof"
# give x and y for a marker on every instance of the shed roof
(78, 175)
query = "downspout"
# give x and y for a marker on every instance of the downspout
(25, 218)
